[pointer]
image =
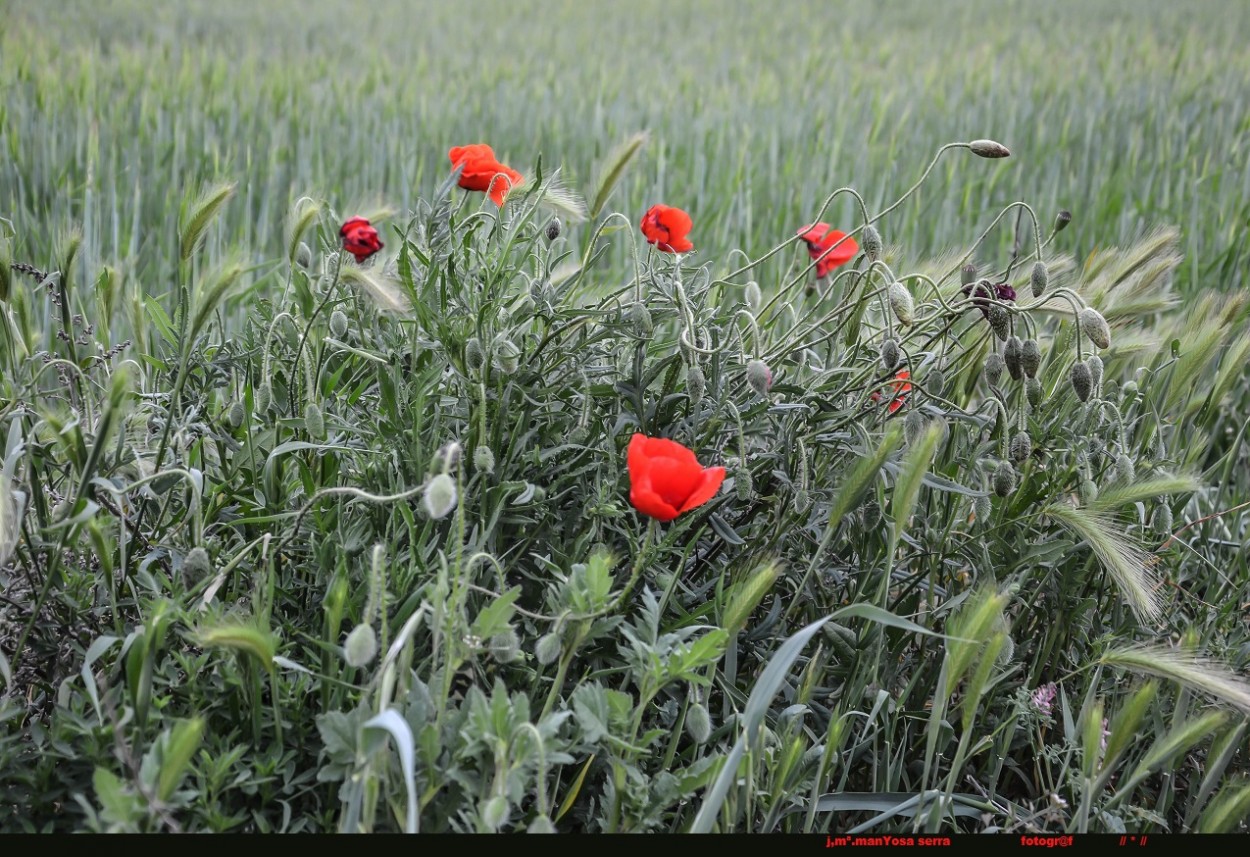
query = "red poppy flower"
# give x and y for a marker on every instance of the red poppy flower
(665, 479)
(359, 238)
(901, 386)
(483, 173)
(819, 237)
(667, 227)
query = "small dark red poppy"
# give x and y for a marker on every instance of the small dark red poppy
(900, 387)
(665, 478)
(359, 238)
(983, 291)
(483, 173)
(667, 227)
(819, 237)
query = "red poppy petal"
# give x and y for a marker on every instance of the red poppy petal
(813, 232)
(649, 503)
(662, 447)
(636, 455)
(676, 220)
(706, 489)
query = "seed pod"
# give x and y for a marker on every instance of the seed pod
(901, 302)
(994, 365)
(743, 483)
(264, 397)
(440, 496)
(989, 149)
(696, 384)
(196, 566)
(507, 356)
(303, 256)
(754, 297)
(1125, 470)
(1000, 320)
(474, 355)
(982, 507)
(1089, 491)
(1039, 278)
(968, 274)
(1062, 219)
(871, 242)
(1004, 479)
(484, 460)
(1013, 357)
(1021, 446)
(889, 354)
(361, 646)
(1161, 519)
(235, 415)
(1095, 327)
(1094, 362)
(639, 318)
(760, 377)
(338, 323)
(1082, 381)
(548, 648)
(698, 723)
(553, 228)
(314, 421)
(1030, 357)
(1033, 392)
(505, 646)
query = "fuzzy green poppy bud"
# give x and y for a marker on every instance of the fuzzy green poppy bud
(1000, 320)
(1004, 479)
(474, 355)
(440, 496)
(554, 226)
(754, 297)
(484, 460)
(1129, 392)
(314, 421)
(505, 646)
(760, 377)
(1039, 278)
(639, 318)
(1094, 362)
(968, 274)
(1161, 519)
(541, 824)
(1089, 491)
(235, 415)
(1021, 446)
(361, 646)
(1095, 327)
(698, 723)
(507, 356)
(1030, 357)
(871, 242)
(1125, 470)
(982, 507)
(994, 365)
(696, 384)
(1062, 219)
(494, 813)
(935, 382)
(1082, 381)
(303, 256)
(196, 566)
(901, 302)
(889, 354)
(338, 324)
(1013, 353)
(264, 397)
(548, 648)
(743, 483)
(914, 425)
(871, 511)
(1033, 392)
(989, 149)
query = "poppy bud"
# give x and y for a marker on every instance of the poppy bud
(1039, 278)
(1082, 381)
(303, 256)
(507, 357)
(1129, 392)
(1033, 392)
(235, 415)
(760, 377)
(1000, 320)
(1012, 357)
(698, 723)
(889, 354)
(338, 323)
(935, 381)
(1062, 219)
(548, 648)
(553, 228)
(901, 302)
(1004, 479)
(474, 356)
(968, 274)
(1089, 491)
(484, 460)
(1161, 519)
(754, 297)
(872, 513)
(982, 507)
(696, 384)
(1030, 357)
(1021, 446)
(994, 365)
(196, 566)
(1094, 362)
(743, 483)
(264, 397)
(871, 243)
(440, 496)
(505, 646)
(448, 456)
(1095, 327)
(913, 425)
(989, 149)
(494, 813)
(314, 421)
(1125, 470)
(361, 646)
(541, 824)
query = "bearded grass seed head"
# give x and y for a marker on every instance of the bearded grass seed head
(901, 303)
(871, 243)
(1094, 326)
(1039, 278)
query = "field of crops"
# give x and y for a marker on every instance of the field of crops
(305, 527)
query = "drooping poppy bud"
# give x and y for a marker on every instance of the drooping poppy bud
(1004, 479)
(760, 377)
(1030, 357)
(1095, 327)
(872, 243)
(360, 238)
(901, 303)
(440, 496)
(1039, 278)
(1082, 380)
(989, 149)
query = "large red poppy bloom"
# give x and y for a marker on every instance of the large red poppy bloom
(359, 238)
(482, 172)
(819, 237)
(667, 227)
(900, 387)
(665, 478)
